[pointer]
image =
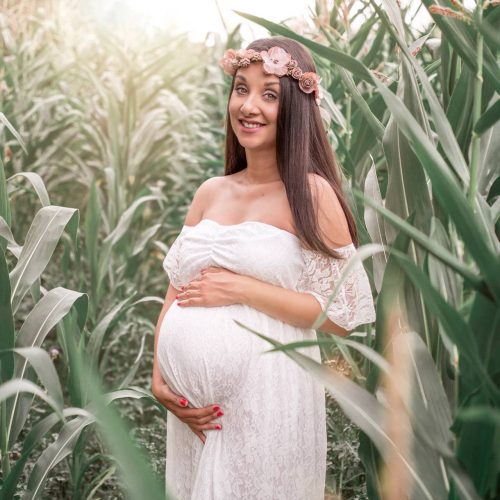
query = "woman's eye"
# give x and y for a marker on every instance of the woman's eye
(268, 95)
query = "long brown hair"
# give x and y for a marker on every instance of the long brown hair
(302, 147)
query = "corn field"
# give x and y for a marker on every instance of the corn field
(104, 136)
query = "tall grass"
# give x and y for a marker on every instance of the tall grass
(116, 131)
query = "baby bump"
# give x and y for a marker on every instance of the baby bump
(203, 354)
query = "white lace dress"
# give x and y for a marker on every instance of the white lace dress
(273, 440)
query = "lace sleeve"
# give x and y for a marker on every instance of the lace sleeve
(171, 262)
(353, 304)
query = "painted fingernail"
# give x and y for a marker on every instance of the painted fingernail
(184, 402)
(216, 408)
(218, 426)
(219, 414)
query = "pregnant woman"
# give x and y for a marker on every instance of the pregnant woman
(263, 244)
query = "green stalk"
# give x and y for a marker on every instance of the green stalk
(476, 110)
(4, 452)
(348, 123)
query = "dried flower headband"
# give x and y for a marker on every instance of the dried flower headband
(276, 61)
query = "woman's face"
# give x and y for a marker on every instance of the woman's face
(254, 100)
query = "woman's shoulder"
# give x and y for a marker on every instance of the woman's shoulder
(210, 183)
(219, 181)
(331, 217)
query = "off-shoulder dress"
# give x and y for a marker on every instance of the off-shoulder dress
(273, 440)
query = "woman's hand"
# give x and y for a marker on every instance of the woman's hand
(198, 419)
(217, 286)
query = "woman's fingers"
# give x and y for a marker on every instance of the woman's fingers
(197, 429)
(164, 394)
(169, 399)
(199, 434)
(199, 418)
(200, 415)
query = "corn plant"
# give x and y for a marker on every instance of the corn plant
(104, 122)
(24, 362)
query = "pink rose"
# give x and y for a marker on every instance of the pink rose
(296, 73)
(307, 82)
(275, 61)
(229, 62)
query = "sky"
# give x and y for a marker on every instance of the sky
(198, 17)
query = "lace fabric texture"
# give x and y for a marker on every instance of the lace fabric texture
(353, 303)
(272, 444)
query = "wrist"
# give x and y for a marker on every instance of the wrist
(156, 377)
(243, 292)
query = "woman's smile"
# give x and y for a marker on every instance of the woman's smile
(250, 126)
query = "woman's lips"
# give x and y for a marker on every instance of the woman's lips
(249, 130)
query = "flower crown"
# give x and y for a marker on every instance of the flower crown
(276, 61)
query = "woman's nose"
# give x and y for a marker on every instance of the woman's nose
(248, 106)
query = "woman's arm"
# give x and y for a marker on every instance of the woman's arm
(295, 308)
(169, 299)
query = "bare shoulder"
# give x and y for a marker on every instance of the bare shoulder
(331, 217)
(201, 199)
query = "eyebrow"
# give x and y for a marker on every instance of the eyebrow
(267, 84)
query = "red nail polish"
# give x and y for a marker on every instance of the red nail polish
(216, 408)
(218, 426)
(184, 402)
(219, 414)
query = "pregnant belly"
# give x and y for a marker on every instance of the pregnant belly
(203, 354)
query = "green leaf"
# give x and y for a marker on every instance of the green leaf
(455, 327)
(44, 368)
(462, 40)
(15, 386)
(443, 127)
(41, 240)
(32, 440)
(38, 185)
(12, 245)
(7, 338)
(54, 453)
(46, 314)
(488, 118)
(425, 241)
(446, 191)
(4, 198)
(14, 132)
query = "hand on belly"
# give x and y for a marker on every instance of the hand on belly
(216, 286)
(198, 419)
